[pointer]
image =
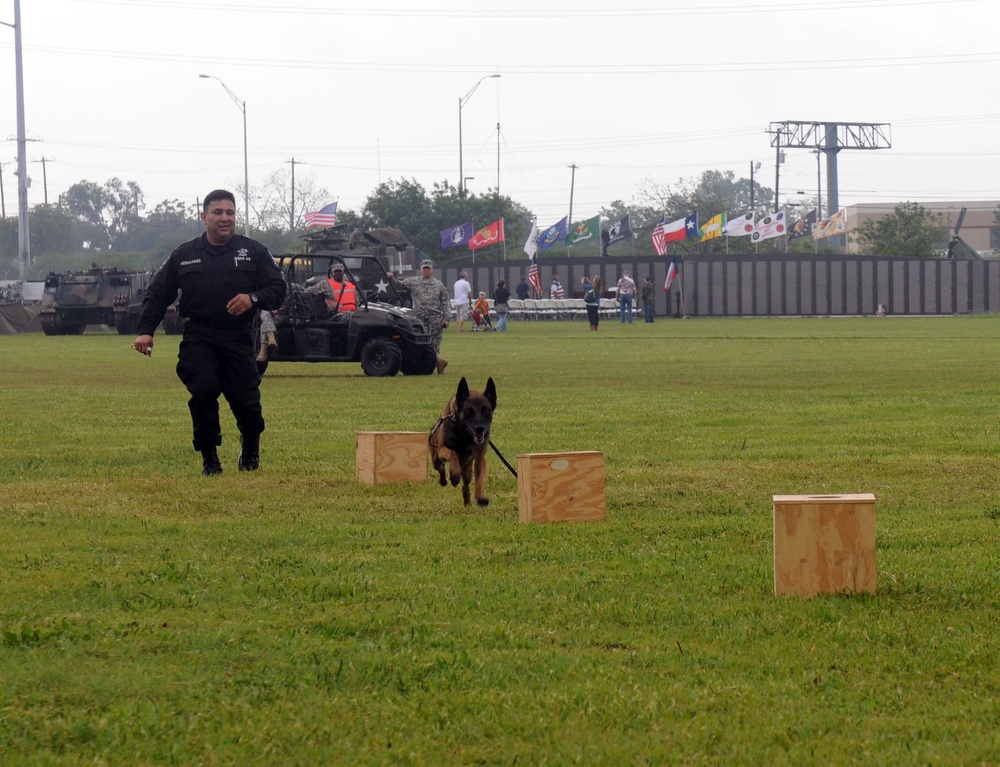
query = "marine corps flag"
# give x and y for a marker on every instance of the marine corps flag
(489, 235)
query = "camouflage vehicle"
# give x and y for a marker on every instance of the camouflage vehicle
(382, 333)
(98, 296)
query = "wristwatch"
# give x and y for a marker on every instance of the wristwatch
(253, 298)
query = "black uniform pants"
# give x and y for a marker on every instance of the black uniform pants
(213, 362)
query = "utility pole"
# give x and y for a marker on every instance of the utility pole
(291, 215)
(777, 168)
(23, 237)
(45, 177)
(502, 246)
(3, 204)
(753, 186)
(572, 184)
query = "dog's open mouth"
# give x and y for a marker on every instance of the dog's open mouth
(479, 438)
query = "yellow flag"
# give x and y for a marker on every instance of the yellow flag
(713, 227)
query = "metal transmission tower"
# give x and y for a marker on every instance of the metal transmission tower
(829, 138)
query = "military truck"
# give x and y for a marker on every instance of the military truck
(98, 296)
(382, 333)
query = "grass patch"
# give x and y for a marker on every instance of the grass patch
(152, 616)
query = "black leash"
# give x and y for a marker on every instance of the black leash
(500, 456)
(443, 418)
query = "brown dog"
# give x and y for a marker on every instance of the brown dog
(460, 437)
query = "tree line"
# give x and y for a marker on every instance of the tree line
(110, 223)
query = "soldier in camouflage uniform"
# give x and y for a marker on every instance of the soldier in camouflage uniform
(431, 304)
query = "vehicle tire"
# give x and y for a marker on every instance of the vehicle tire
(126, 325)
(423, 363)
(381, 357)
(75, 330)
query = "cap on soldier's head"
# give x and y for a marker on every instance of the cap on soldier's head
(338, 267)
(426, 264)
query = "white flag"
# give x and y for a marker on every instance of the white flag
(531, 244)
(772, 225)
(741, 226)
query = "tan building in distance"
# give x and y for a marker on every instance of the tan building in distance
(979, 221)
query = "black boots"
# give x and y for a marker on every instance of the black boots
(249, 457)
(250, 453)
(210, 465)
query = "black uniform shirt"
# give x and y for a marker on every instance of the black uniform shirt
(208, 276)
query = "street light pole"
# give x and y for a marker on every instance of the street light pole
(246, 167)
(461, 103)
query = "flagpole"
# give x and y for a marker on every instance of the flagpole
(680, 287)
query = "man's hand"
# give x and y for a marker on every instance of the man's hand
(239, 304)
(144, 345)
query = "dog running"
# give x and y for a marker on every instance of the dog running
(460, 437)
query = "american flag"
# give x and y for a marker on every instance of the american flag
(660, 236)
(534, 278)
(325, 216)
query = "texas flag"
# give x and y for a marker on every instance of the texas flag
(681, 229)
(671, 275)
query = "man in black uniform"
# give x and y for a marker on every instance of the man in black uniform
(224, 278)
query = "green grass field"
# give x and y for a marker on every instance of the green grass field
(151, 616)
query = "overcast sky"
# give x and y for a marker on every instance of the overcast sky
(627, 92)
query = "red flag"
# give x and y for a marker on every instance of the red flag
(488, 236)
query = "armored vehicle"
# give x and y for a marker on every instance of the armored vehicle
(98, 296)
(382, 332)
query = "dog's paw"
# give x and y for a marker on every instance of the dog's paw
(443, 480)
(455, 479)
(483, 501)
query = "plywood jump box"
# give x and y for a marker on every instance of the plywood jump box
(560, 487)
(391, 456)
(824, 544)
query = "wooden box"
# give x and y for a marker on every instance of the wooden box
(560, 487)
(824, 544)
(391, 456)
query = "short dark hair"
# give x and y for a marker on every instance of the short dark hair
(218, 194)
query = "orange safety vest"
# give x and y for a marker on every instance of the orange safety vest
(345, 295)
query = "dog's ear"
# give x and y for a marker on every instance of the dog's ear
(463, 392)
(491, 393)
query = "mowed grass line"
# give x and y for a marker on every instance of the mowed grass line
(152, 616)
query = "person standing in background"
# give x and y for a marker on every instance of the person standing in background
(463, 299)
(522, 288)
(501, 295)
(626, 295)
(430, 304)
(593, 301)
(648, 296)
(556, 291)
